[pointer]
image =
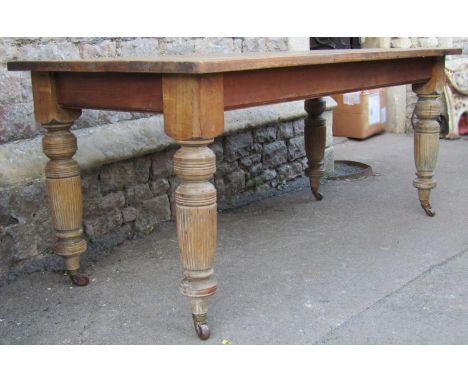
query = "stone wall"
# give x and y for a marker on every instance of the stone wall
(128, 189)
(401, 99)
(16, 110)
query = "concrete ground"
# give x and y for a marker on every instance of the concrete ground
(363, 266)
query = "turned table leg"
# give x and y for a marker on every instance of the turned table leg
(426, 145)
(195, 164)
(62, 173)
(64, 197)
(315, 132)
(426, 133)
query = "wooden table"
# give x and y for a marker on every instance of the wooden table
(193, 92)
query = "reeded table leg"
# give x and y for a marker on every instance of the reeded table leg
(64, 197)
(426, 146)
(315, 131)
(195, 164)
(62, 173)
(426, 132)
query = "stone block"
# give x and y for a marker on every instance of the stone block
(129, 214)
(52, 50)
(289, 171)
(152, 211)
(24, 243)
(220, 189)
(234, 183)
(159, 186)
(173, 184)
(255, 170)
(139, 47)
(428, 42)
(265, 134)
(138, 193)
(329, 161)
(103, 224)
(226, 168)
(142, 169)
(16, 87)
(162, 164)
(217, 148)
(24, 202)
(257, 148)
(177, 46)
(251, 160)
(298, 126)
(117, 176)
(102, 204)
(269, 174)
(238, 146)
(105, 48)
(296, 148)
(8, 50)
(401, 42)
(276, 44)
(286, 130)
(254, 44)
(214, 45)
(275, 154)
(17, 122)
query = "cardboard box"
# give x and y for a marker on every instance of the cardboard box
(360, 114)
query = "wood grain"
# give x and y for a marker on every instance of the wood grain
(250, 88)
(225, 62)
(195, 164)
(144, 92)
(62, 172)
(193, 106)
(46, 105)
(315, 133)
(426, 133)
(110, 91)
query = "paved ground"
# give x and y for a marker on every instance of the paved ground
(363, 266)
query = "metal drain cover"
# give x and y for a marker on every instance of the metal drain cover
(348, 169)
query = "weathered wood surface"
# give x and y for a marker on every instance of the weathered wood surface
(226, 62)
(193, 106)
(426, 133)
(63, 179)
(315, 135)
(144, 91)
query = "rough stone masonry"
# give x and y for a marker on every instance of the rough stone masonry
(131, 196)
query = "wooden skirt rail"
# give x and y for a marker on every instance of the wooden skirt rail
(108, 91)
(193, 92)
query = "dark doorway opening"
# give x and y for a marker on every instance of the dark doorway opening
(334, 43)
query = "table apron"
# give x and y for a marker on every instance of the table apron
(250, 88)
(143, 91)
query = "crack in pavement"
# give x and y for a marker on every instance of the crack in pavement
(322, 340)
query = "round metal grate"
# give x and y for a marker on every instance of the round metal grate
(347, 169)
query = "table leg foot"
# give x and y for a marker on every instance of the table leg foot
(315, 131)
(424, 200)
(201, 326)
(78, 278)
(318, 195)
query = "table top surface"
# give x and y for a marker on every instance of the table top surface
(216, 63)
